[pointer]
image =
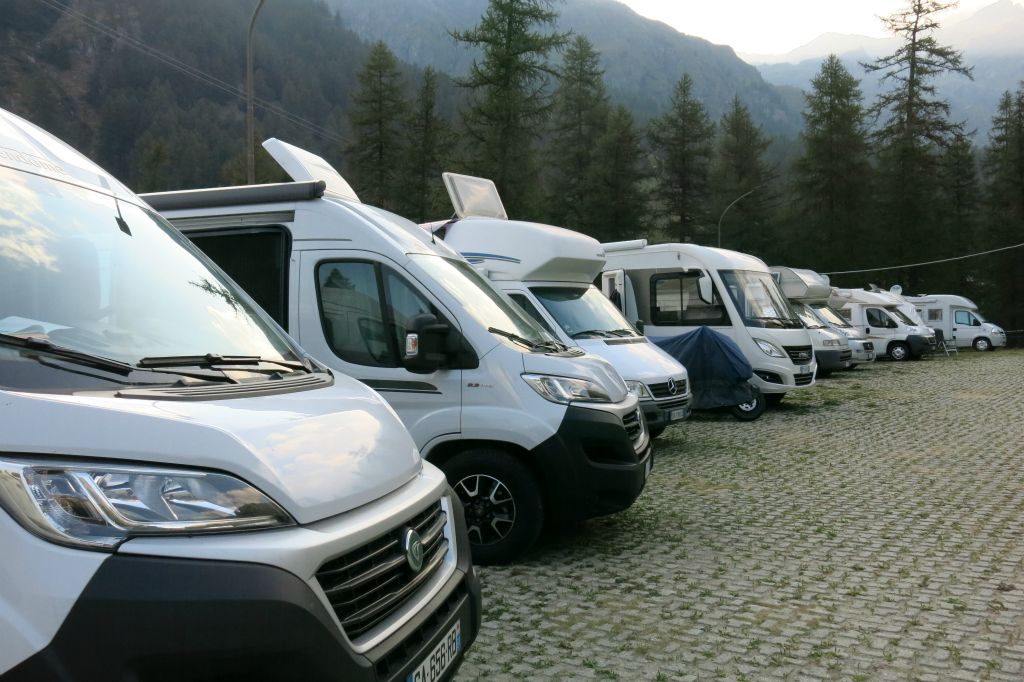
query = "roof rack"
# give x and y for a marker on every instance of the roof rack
(230, 196)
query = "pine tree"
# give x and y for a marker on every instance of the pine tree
(915, 127)
(509, 95)
(579, 117)
(681, 143)
(959, 221)
(616, 203)
(375, 118)
(741, 178)
(832, 176)
(428, 145)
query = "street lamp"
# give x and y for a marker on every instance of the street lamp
(250, 123)
(734, 202)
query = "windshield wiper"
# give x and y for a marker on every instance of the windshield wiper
(532, 345)
(600, 333)
(624, 332)
(216, 360)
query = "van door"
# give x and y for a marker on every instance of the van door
(353, 311)
(964, 328)
(880, 327)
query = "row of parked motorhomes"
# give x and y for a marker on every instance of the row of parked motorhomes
(273, 427)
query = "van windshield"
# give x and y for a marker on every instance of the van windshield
(86, 273)
(583, 312)
(488, 306)
(809, 319)
(759, 300)
(900, 315)
(830, 315)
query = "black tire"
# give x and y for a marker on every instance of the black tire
(749, 411)
(898, 351)
(656, 431)
(774, 399)
(502, 499)
(982, 344)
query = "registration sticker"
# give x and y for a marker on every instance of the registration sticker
(441, 658)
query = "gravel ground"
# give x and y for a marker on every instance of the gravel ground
(868, 528)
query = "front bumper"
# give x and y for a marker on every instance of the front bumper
(833, 359)
(591, 466)
(155, 619)
(660, 414)
(919, 345)
(863, 351)
(775, 379)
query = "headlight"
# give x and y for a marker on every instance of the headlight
(769, 349)
(566, 389)
(100, 505)
(638, 389)
(831, 342)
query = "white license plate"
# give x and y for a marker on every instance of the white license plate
(675, 415)
(804, 369)
(440, 659)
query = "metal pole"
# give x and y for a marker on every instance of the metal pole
(734, 202)
(250, 123)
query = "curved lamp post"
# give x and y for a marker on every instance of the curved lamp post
(733, 203)
(250, 123)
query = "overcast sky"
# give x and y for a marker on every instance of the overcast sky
(776, 26)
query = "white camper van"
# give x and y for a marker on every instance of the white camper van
(894, 333)
(674, 288)
(862, 348)
(183, 491)
(959, 320)
(526, 429)
(549, 272)
(833, 349)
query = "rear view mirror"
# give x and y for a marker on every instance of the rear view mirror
(705, 289)
(639, 324)
(425, 340)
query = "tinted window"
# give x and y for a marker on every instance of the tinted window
(675, 300)
(257, 259)
(963, 317)
(877, 318)
(934, 314)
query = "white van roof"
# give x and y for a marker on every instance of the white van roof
(802, 284)
(27, 147)
(943, 299)
(637, 254)
(514, 250)
(861, 296)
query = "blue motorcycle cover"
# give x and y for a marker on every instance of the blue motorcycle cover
(717, 367)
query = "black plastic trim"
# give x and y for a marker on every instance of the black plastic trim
(389, 386)
(231, 196)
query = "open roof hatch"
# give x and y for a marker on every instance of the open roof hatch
(472, 196)
(304, 166)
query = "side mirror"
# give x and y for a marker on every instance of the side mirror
(639, 325)
(705, 289)
(425, 342)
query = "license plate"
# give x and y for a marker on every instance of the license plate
(676, 415)
(440, 659)
(805, 369)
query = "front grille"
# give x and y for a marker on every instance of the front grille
(868, 345)
(803, 379)
(800, 355)
(400, 655)
(672, 404)
(632, 423)
(373, 581)
(661, 391)
(845, 355)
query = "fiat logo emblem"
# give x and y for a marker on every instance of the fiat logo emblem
(672, 386)
(412, 545)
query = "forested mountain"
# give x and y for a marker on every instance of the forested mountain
(643, 59)
(158, 128)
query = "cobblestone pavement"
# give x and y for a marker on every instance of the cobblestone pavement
(869, 528)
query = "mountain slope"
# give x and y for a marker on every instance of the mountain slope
(643, 58)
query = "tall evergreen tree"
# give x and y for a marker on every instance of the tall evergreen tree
(742, 184)
(428, 146)
(681, 143)
(832, 176)
(579, 117)
(960, 217)
(616, 203)
(915, 126)
(509, 95)
(375, 118)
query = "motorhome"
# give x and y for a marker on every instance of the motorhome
(959, 320)
(894, 333)
(184, 491)
(527, 430)
(674, 288)
(549, 271)
(833, 346)
(863, 349)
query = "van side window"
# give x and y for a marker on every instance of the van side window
(963, 317)
(257, 259)
(532, 311)
(365, 310)
(675, 301)
(876, 318)
(935, 314)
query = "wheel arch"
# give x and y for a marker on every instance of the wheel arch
(443, 451)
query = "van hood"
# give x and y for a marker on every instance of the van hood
(587, 366)
(639, 360)
(317, 453)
